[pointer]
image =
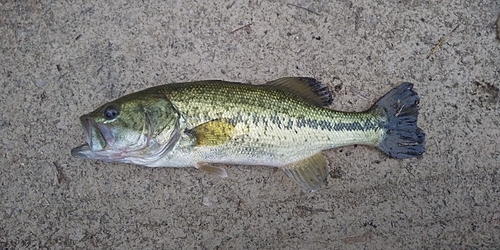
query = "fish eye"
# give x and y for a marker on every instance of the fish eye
(111, 112)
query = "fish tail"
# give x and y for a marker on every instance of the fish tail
(398, 111)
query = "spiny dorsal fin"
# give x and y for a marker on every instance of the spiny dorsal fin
(308, 88)
(212, 133)
(221, 172)
(310, 173)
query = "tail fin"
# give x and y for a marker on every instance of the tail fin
(398, 109)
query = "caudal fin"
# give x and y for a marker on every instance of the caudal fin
(398, 109)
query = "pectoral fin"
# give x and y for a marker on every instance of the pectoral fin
(310, 173)
(221, 172)
(213, 133)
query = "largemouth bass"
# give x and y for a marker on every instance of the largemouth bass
(283, 123)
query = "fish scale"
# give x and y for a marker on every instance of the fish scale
(261, 114)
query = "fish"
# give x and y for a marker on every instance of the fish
(285, 123)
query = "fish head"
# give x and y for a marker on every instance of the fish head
(137, 128)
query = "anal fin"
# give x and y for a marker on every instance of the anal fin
(221, 172)
(310, 173)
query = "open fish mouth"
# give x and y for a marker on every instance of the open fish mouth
(97, 136)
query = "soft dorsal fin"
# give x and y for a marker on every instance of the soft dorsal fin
(308, 88)
(310, 173)
(212, 133)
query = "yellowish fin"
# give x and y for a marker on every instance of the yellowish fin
(307, 88)
(221, 172)
(213, 133)
(310, 173)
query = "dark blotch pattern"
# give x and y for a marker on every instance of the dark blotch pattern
(352, 126)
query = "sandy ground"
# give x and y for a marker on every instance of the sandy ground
(60, 60)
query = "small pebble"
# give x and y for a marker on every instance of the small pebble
(498, 27)
(207, 202)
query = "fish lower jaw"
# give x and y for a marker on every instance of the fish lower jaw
(81, 151)
(85, 152)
